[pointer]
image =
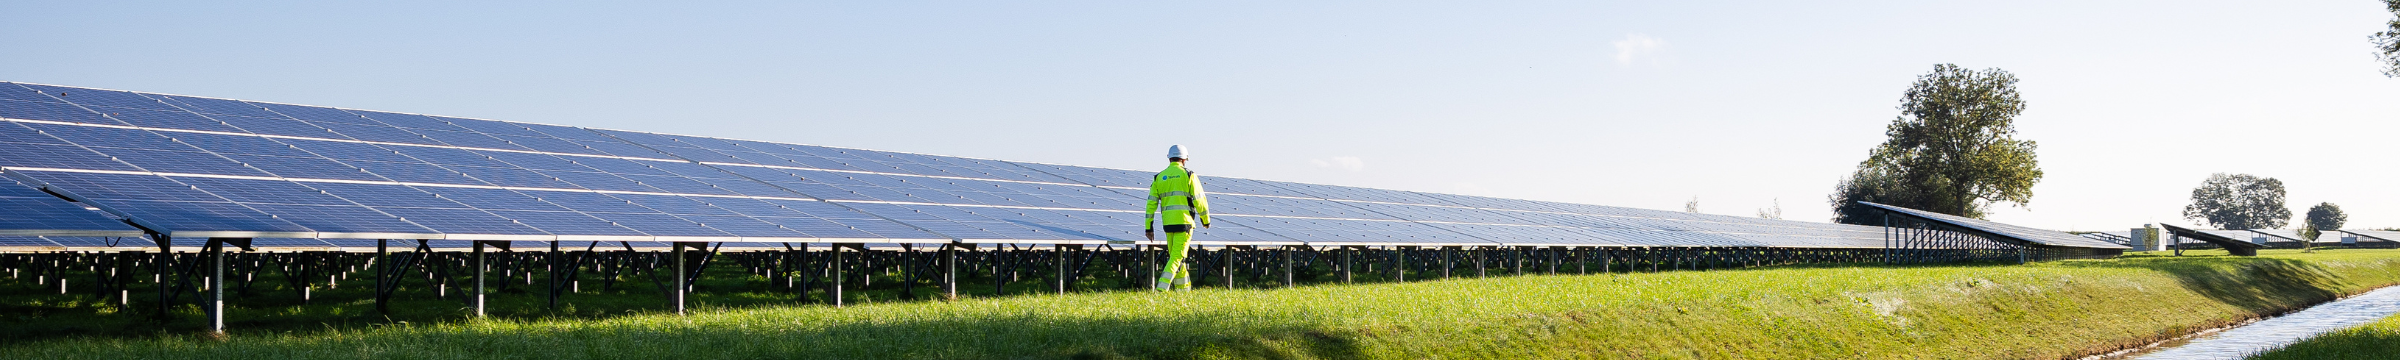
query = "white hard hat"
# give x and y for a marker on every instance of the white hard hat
(1176, 152)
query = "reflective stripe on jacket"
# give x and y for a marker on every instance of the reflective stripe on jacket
(1175, 193)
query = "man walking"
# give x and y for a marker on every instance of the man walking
(1179, 190)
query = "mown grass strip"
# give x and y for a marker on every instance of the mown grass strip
(2043, 310)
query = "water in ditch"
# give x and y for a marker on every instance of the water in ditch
(2284, 330)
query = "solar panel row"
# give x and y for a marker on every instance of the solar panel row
(2040, 236)
(224, 168)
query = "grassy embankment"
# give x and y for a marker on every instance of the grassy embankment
(2379, 340)
(2044, 310)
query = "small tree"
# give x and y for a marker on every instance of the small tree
(1692, 206)
(2327, 216)
(1773, 212)
(2239, 202)
(2387, 43)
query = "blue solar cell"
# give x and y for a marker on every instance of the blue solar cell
(97, 241)
(512, 177)
(751, 207)
(119, 186)
(409, 121)
(546, 144)
(347, 151)
(17, 241)
(493, 199)
(29, 110)
(416, 173)
(660, 224)
(381, 196)
(886, 229)
(446, 156)
(535, 161)
(182, 162)
(165, 119)
(622, 167)
(18, 155)
(624, 149)
(111, 137)
(101, 97)
(305, 167)
(50, 213)
(263, 191)
(676, 205)
(691, 169)
(318, 114)
(377, 133)
(598, 181)
(344, 218)
(743, 226)
(821, 228)
(266, 126)
(12, 91)
(12, 132)
(462, 221)
(678, 185)
(219, 106)
(569, 133)
(468, 139)
(174, 216)
(562, 222)
(491, 127)
(590, 202)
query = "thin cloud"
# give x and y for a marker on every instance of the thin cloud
(1344, 163)
(1636, 47)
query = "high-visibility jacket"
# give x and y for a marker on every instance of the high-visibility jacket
(1175, 194)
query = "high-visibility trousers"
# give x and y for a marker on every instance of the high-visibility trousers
(1175, 274)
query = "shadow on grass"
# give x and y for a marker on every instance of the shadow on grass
(2261, 285)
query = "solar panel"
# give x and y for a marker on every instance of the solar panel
(2038, 236)
(200, 166)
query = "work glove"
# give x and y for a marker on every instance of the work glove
(1150, 234)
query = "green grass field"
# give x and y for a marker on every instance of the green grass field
(2379, 340)
(2044, 310)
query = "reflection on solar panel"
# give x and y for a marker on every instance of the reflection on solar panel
(198, 167)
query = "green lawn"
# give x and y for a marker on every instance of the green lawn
(1990, 311)
(2379, 340)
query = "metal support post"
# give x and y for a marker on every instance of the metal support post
(1399, 264)
(1058, 255)
(552, 264)
(166, 268)
(835, 291)
(482, 266)
(1345, 264)
(383, 268)
(216, 285)
(1287, 267)
(1225, 265)
(950, 272)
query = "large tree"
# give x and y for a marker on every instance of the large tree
(2239, 202)
(1952, 150)
(2387, 43)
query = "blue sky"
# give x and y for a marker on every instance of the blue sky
(1738, 104)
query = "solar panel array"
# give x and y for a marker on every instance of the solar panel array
(2037, 236)
(202, 167)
